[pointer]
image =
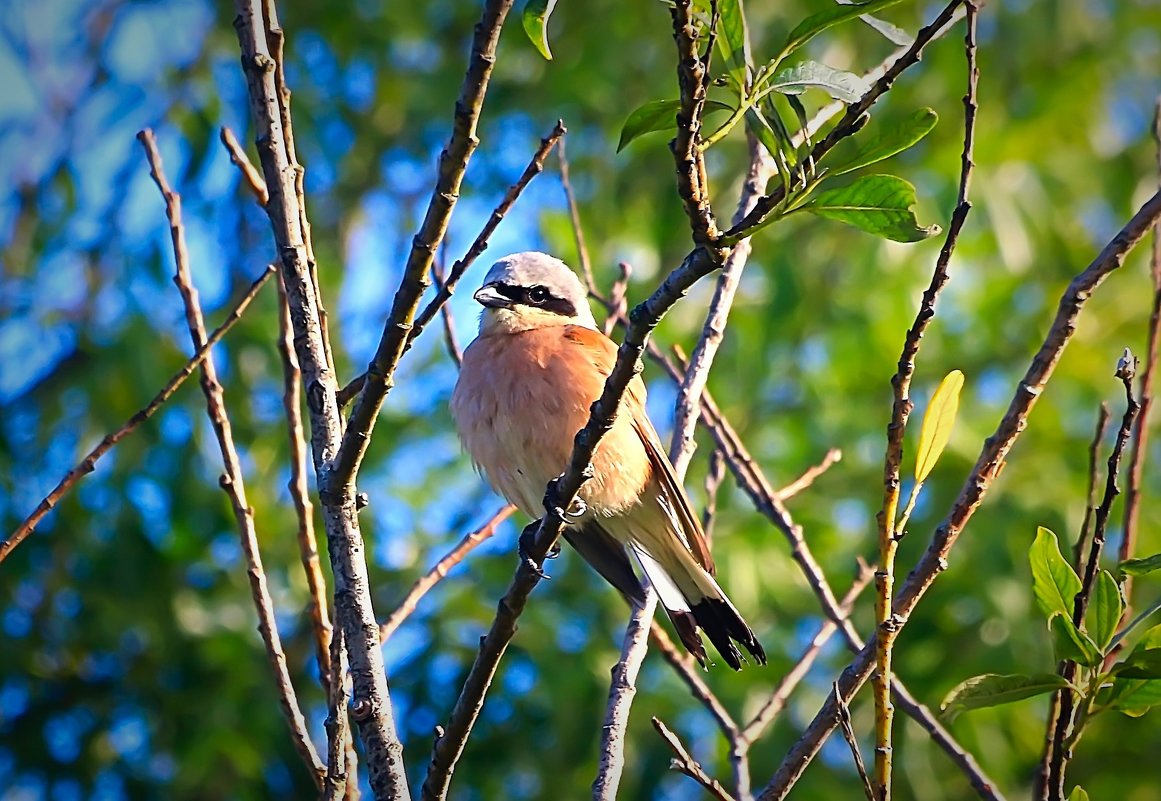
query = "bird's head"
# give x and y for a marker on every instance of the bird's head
(532, 290)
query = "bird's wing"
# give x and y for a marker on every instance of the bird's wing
(604, 355)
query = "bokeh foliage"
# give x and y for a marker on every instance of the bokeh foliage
(130, 666)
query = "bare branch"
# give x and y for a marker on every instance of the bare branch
(582, 249)
(689, 672)
(449, 326)
(715, 474)
(809, 476)
(232, 481)
(89, 463)
(891, 529)
(397, 330)
(335, 785)
(692, 80)
(991, 458)
(621, 693)
(685, 763)
(354, 612)
(249, 172)
(844, 714)
(441, 569)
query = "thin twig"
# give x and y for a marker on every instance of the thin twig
(89, 463)
(451, 341)
(810, 475)
(715, 474)
(1094, 448)
(440, 570)
(354, 612)
(582, 249)
(232, 480)
(335, 785)
(479, 245)
(684, 762)
(617, 304)
(453, 162)
(891, 529)
(1065, 723)
(623, 687)
(249, 172)
(690, 673)
(1141, 431)
(848, 730)
(991, 459)
(300, 492)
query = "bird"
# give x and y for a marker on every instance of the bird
(525, 387)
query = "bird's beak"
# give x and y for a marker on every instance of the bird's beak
(489, 297)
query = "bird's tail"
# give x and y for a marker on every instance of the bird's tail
(693, 600)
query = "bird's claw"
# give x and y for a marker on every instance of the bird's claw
(526, 542)
(576, 508)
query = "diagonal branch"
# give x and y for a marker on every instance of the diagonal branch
(232, 481)
(453, 162)
(685, 763)
(354, 612)
(89, 463)
(988, 465)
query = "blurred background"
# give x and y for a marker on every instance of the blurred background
(130, 666)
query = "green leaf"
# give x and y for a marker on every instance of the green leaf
(657, 115)
(1142, 664)
(1104, 610)
(535, 18)
(839, 84)
(992, 689)
(815, 24)
(938, 423)
(1069, 642)
(1054, 582)
(889, 141)
(1135, 697)
(1078, 794)
(734, 41)
(878, 204)
(1140, 567)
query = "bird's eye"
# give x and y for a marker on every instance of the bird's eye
(538, 295)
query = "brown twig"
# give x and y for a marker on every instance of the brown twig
(690, 673)
(692, 81)
(623, 688)
(617, 304)
(1090, 507)
(844, 714)
(582, 249)
(479, 245)
(354, 612)
(684, 762)
(437, 573)
(1059, 748)
(232, 481)
(810, 475)
(991, 459)
(1141, 431)
(715, 474)
(890, 528)
(249, 172)
(335, 785)
(300, 492)
(451, 341)
(453, 162)
(89, 463)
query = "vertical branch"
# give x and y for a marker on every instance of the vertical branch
(582, 249)
(1141, 431)
(1059, 748)
(232, 481)
(335, 786)
(692, 81)
(300, 493)
(354, 612)
(889, 536)
(1094, 449)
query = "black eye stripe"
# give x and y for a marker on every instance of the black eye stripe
(551, 303)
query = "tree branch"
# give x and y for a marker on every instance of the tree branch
(397, 330)
(89, 463)
(232, 480)
(685, 763)
(991, 458)
(354, 612)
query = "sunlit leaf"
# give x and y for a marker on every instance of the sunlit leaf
(1104, 610)
(878, 204)
(535, 19)
(888, 141)
(1054, 582)
(734, 39)
(657, 115)
(1142, 566)
(1143, 663)
(839, 84)
(1078, 794)
(992, 689)
(937, 424)
(817, 23)
(1069, 642)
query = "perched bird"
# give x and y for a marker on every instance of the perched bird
(525, 389)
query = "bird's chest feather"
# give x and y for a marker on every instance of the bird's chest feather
(520, 400)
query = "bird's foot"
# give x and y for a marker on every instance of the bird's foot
(575, 511)
(525, 544)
